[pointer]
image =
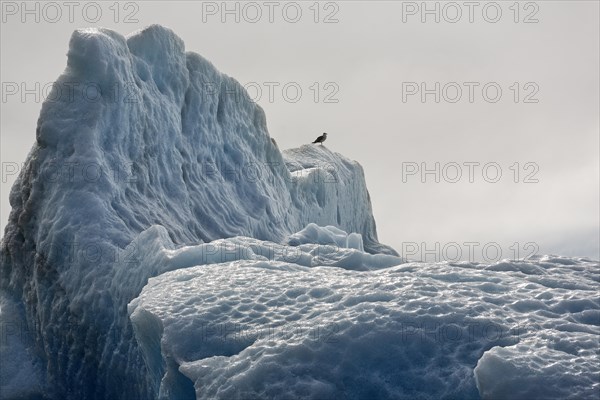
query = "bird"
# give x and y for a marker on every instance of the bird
(321, 139)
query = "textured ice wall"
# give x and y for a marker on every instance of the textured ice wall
(21, 370)
(138, 132)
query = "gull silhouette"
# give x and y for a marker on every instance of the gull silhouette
(321, 139)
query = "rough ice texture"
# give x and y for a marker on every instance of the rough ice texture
(21, 370)
(164, 367)
(136, 133)
(275, 328)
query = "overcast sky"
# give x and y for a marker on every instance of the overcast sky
(518, 94)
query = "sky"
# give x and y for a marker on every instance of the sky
(477, 124)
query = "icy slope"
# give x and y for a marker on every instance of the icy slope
(136, 133)
(272, 327)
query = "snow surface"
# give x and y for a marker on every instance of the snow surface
(160, 245)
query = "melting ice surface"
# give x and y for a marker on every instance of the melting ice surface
(165, 248)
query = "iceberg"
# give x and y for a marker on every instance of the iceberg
(160, 245)
(137, 132)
